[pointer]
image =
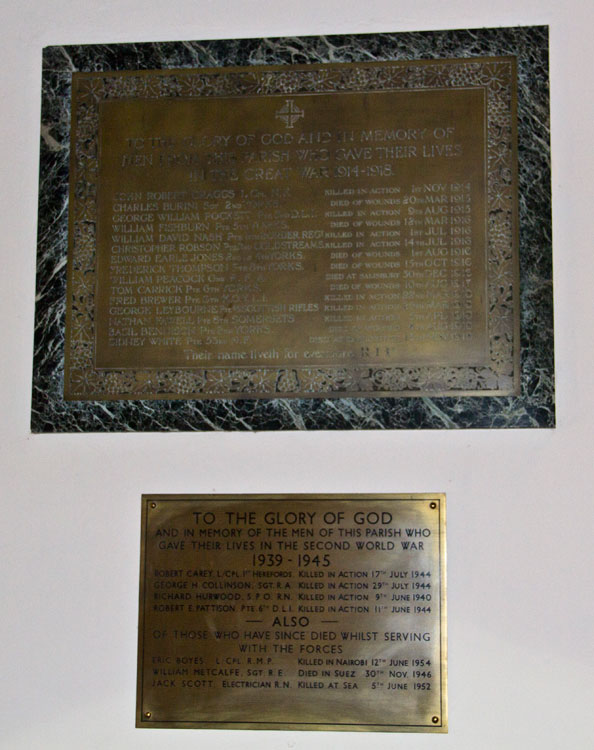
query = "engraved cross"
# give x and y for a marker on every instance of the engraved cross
(289, 113)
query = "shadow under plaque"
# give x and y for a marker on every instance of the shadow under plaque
(258, 238)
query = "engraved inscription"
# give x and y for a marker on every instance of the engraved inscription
(292, 247)
(328, 614)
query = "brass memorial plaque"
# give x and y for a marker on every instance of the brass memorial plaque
(316, 230)
(325, 612)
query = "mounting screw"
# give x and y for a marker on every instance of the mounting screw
(147, 714)
(153, 505)
(433, 506)
(435, 719)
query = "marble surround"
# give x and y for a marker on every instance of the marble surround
(535, 405)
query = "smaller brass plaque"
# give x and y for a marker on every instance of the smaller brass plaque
(315, 612)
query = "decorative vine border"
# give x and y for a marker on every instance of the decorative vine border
(501, 377)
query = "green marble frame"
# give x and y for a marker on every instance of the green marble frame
(534, 407)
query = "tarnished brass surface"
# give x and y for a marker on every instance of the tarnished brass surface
(311, 231)
(293, 612)
(295, 262)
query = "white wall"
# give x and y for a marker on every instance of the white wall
(520, 513)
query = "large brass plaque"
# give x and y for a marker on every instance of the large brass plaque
(313, 231)
(293, 612)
